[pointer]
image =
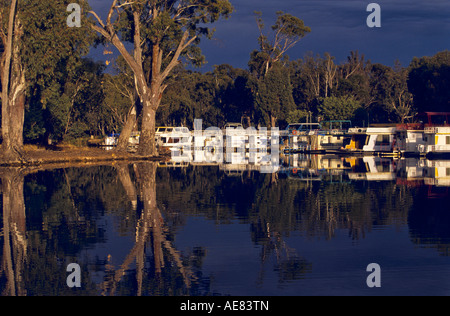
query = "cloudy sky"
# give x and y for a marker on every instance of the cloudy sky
(409, 28)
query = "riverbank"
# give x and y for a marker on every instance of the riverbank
(34, 155)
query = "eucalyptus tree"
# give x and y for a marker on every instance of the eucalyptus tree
(13, 82)
(272, 96)
(36, 44)
(288, 30)
(161, 33)
(270, 82)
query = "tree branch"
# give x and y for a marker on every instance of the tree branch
(182, 46)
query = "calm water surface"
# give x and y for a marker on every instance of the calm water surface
(309, 229)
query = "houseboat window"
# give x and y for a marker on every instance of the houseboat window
(383, 139)
(448, 172)
(447, 140)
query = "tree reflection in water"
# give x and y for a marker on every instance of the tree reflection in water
(14, 231)
(150, 230)
(64, 207)
(53, 217)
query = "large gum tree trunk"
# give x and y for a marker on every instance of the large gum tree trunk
(13, 90)
(14, 143)
(12, 127)
(147, 143)
(122, 142)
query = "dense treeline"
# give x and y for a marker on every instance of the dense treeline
(313, 87)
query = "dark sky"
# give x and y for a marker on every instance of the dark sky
(409, 28)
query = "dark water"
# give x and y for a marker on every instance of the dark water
(310, 229)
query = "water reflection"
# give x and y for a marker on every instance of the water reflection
(190, 228)
(14, 231)
(66, 210)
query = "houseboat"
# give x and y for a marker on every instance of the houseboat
(173, 137)
(298, 137)
(333, 135)
(411, 138)
(112, 139)
(437, 142)
(370, 140)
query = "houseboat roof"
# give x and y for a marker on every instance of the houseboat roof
(372, 130)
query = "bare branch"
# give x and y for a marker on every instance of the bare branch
(97, 18)
(184, 43)
(110, 13)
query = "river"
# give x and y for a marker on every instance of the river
(312, 227)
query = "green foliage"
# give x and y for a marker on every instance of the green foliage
(50, 47)
(215, 97)
(71, 97)
(51, 54)
(296, 116)
(118, 98)
(428, 81)
(71, 107)
(273, 96)
(165, 28)
(337, 108)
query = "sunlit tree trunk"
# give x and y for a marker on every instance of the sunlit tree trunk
(122, 142)
(13, 90)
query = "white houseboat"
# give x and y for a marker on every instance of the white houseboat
(409, 138)
(333, 134)
(371, 140)
(437, 141)
(112, 140)
(173, 137)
